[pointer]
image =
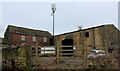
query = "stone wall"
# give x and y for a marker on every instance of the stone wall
(99, 37)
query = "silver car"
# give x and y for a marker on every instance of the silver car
(96, 54)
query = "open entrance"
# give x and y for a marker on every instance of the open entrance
(67, 42)
(67, 47)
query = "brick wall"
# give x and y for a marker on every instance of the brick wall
(16, 40)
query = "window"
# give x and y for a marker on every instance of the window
(44, 39)
(23, 37)
(87, 34)
(33, 38)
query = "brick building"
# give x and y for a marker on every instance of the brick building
(79, 43)
(18, 35)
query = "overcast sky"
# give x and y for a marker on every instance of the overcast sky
(69, 15)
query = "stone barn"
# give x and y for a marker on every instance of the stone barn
(79, 43)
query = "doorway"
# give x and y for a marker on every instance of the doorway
(67, 47)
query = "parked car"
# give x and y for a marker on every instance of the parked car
(96, 54)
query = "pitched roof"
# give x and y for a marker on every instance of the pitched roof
(27, 31)
(86, 29)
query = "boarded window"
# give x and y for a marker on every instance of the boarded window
(86, 34)
(44, 39)
(23, 37)
(33, 38)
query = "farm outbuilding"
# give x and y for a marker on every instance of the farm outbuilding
(79, 43)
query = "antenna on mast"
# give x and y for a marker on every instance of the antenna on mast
(80, 27)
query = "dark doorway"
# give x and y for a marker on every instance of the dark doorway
(51, 41)
(67, 42)
(67, 47)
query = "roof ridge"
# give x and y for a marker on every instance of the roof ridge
(86, 29)
(27, 28)
(23, 30)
